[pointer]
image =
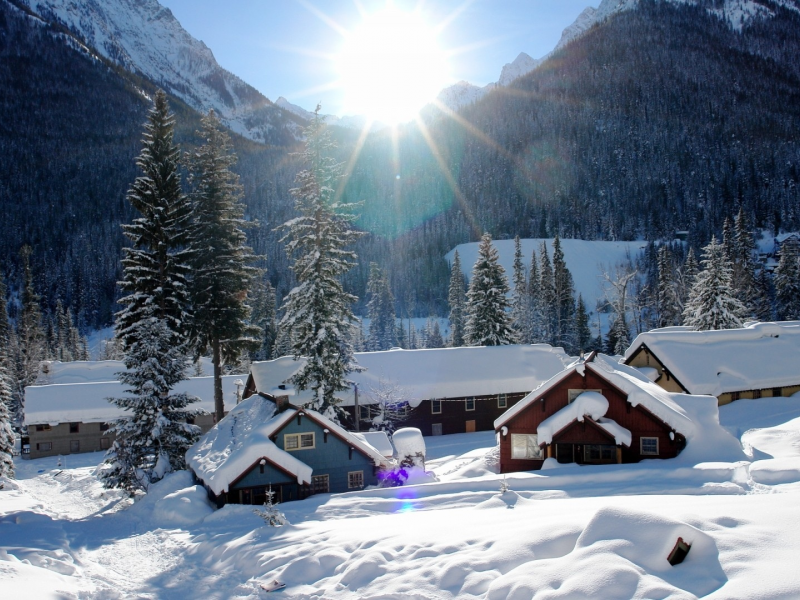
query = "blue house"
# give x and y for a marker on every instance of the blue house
(266, 443)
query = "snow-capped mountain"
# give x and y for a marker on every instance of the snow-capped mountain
(522, 65)
(347, 121)
(145, 38)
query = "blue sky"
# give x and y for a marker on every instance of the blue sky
(286, 47)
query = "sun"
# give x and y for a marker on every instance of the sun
(391, 66)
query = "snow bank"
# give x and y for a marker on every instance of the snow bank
(187, 506)
(776, 471)
(428, 374)
(408, 441)
(758, 356)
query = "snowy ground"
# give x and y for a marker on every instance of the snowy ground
(570, 532)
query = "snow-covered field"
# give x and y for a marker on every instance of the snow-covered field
(567, 532)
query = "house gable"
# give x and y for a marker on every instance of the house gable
(645, 357)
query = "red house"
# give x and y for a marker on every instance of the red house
(595, 411)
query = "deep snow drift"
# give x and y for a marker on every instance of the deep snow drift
(564, 532)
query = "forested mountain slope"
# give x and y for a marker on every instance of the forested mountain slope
(660, 118)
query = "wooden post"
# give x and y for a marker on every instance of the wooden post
(619, 455)
(549, 450)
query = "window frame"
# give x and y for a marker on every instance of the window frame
(75, 427)
(434, 404)
(642, 442)
(466, 404)
(298, 437)
(502, 400)
(326, 478)
(363, 412)
(44, 446)
(355, 475)
(537, 454)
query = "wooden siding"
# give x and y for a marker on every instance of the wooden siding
(643, 357)
(638, 420)
(454, 417)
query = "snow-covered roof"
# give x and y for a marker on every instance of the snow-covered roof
(638, 388)
(427, 374)
(378, 440)
(757, 356)
(591, 404)
(92, 371)
(88, 402)
(242, 438)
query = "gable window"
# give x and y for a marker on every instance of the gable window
(320, 484)
(469, 404)
(298, 441)
(648, 445)
(436, 407)
(502, 400)
(74, 427)
(355, 480)
(572, 394)
(525, 446)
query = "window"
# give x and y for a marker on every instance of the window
(43, 428)
(44, 446)
(436, 429)
(298, 441)
(735, 396)
(648, 445)
(320, 484)
(469, 404)
(74, 427)
(572, 394)
(776, 392)
(756, 394)
(105, 443)
(599, 453)
(363, 412)
(525, 446)
(74, 446)
(502, 400)
(436, 407)
(355, 480)
(103, 426)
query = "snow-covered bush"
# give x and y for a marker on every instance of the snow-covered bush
(270, 513)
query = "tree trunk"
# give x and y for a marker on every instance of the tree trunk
(219, 405)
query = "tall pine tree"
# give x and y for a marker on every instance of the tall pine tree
(220, 259)
(380, 309)
(547, 297)
(6, 433)
(787, 283)
(712, 303)
(564, 290)
(317, 312)
(668, 303)
(488, 321)
(156, 264)
(264, 316)
(520, 305)
(30, 347)
(457, 299)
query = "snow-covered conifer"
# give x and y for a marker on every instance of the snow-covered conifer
(787, 283)
(380, 309)
(583, 334)
(668, 306)
(564, 290)
(264, 316)
(711, 303)
(547, 296)
(618, 335)
(488, 321)
(317, 312)
(744, 269)
(433, 334)
(536, 325)
(6, 434)
(156, 264)
(457, 299)
(520, 304)
(151, 441)
(30, 344)
(219, 257)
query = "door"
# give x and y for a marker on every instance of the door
(565, 453)
(74, 446)
(436, 429)
(471, 426)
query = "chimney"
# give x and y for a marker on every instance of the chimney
(282, 402)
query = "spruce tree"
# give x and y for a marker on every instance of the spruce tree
(433, 334)
(152, 441)
(156, 264)
(520, 305)
(564, 290)
(711, 303)
(264, 316)
(787, 283)
(547, 296)
(618, 335)
(6, 400)
(31, 345)
(583, 334)
(318, 312)
(219, 257)
(536, 324)
(488, 322)
(744, 270)
(380, 309)
(457, 299)
(668, 303)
